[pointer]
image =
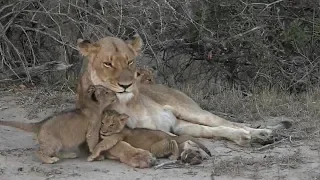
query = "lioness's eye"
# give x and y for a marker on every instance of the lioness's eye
(138, 74)
(107, 64)
(130, 63)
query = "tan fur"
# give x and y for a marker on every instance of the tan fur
(145, 75)
(154, 106)
(69, 129)
(157, 142)
(135, 157)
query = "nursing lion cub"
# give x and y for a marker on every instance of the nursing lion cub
(159, 143)
(112, 63)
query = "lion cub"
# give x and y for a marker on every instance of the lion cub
(157, 142)
(69, 129)
(145, 75)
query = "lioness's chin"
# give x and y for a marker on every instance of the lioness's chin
(124, 96)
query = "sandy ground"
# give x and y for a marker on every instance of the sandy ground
(295, 159)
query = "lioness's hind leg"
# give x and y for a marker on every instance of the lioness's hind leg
(237, 135)
(165, 148)
(197, 115)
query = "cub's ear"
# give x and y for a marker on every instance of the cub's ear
(91, 89)
(136, 43)
(155, 73)
(138, 71)
(91, 93)
(86, 47)
(124, 118)
(154, 70)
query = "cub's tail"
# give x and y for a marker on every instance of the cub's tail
(29, 127)
(184, 138)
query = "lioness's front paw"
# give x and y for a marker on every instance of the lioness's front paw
(191, 157)
(142, 159)
(262, 136)
(242, 137)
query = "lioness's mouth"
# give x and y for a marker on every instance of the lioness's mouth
(123, 92)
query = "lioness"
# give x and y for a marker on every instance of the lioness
(157, 142)
(69, 129)
(111, 63)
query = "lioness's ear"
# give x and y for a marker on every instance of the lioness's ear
(86, 47)
(136, 43)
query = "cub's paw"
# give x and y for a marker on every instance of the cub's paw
(142, 159)
(100, 158)
(95, 156)
(91, 158)
(51, 160)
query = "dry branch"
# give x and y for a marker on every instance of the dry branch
(38, 70)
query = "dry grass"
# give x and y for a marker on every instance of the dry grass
(264, 105)
(304, 106)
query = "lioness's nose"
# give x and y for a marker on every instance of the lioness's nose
(124, 86)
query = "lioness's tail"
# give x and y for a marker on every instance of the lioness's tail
(280, 125)
(29, 127)
(184, 138)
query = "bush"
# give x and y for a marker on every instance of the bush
(216, 44)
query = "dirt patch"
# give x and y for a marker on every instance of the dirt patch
(296, 157)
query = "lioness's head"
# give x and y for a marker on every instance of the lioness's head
(112, 122)
(145, 75)
(111, 62)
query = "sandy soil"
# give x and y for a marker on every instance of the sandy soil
(295, 159)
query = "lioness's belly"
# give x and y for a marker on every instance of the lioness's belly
(148, 115)
(163, 120)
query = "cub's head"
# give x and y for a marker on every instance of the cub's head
(112, 62)
(112, 122)
(145, 75)
(100, 95)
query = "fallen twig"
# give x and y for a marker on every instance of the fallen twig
(164, 164)
(36, 70)
(3, 108)
(269, 145)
